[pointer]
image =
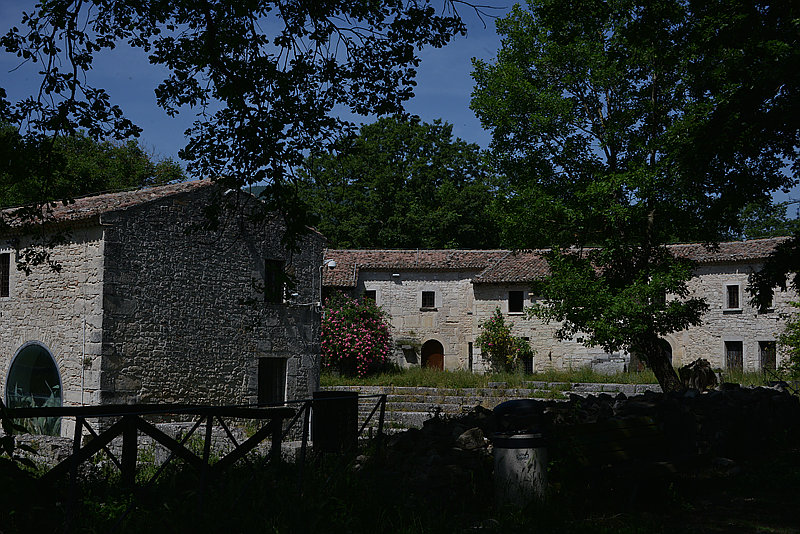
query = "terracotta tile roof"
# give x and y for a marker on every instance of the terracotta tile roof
(349, 262)
(754, 249)
(94, 205)
(503, 266)
(521, 266)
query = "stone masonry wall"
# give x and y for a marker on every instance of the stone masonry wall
(549, 353)
(58, 309)
(185, 318)
(721, 324)
(449, 322)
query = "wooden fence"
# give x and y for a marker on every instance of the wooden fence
(127, 421)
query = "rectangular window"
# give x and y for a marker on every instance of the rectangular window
(767, 354)
(370, 294)
(734, 355)
(515, 300)
(274, 281)
(428, 299)
(5, 274)
(469, 355)
(527, 363)
(769, 306)
(732, 297)
(271, 380)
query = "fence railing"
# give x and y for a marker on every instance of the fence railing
(131, 420)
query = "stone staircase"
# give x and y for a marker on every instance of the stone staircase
(408, 407)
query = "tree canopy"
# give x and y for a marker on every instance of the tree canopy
(402, 184)
(624, 125)
(53, 169)
(266, 79)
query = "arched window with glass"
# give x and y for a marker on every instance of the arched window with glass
(34, 381)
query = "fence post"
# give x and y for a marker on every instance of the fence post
(277, 428)
(73, 475)
(304, 442)
(381, 418)
(205, 466)
(129, 450)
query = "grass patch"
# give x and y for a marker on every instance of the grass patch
(422, 377)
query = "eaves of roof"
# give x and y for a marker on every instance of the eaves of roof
(504, 266)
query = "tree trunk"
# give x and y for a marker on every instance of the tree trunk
(650, 351)
(665, 374)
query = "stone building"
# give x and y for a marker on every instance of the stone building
(141, 301)
(438, 300)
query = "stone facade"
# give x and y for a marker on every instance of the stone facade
(401, 297)
(469, 285)
(148, 305)
(722, 324)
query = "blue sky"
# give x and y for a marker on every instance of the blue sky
(443, 90)
(443, 87)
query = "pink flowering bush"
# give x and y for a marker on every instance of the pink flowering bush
(505, 351)
(355, 336)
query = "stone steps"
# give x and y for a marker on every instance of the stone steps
(408, 407)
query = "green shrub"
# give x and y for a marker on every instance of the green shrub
(505, 351)
(355, 336)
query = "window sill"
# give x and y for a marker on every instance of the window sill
(516, 313)
(428, 309)
(732, 311)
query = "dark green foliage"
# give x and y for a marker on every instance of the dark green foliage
(402, 184)
(263, 77)
(42, 169)
(627, 125)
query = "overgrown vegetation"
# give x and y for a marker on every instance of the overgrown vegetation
(48, 426)
(505, 351)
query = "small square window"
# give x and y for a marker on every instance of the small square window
(428, 299)
(5, 274)
(734, 355)
(515, 301)
(370, 294)
(732, 297)
(271, 380)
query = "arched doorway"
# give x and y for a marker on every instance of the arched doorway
(433, 355)
(34, 381)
